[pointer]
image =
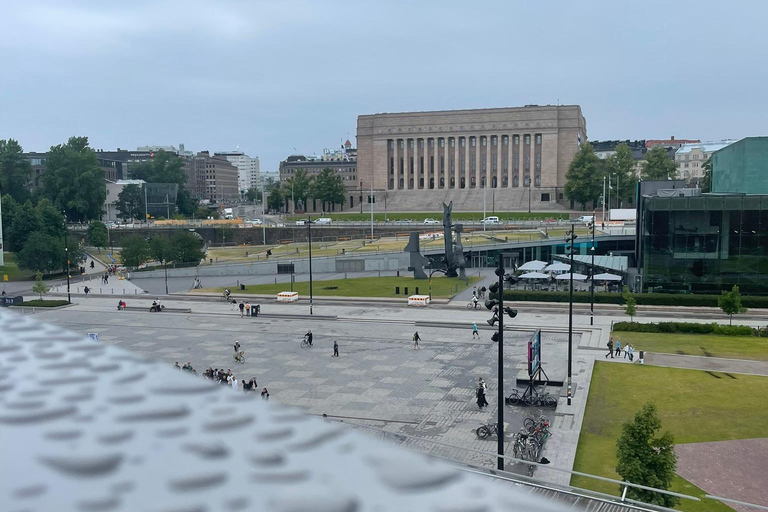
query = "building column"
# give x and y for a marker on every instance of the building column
(456, 166)
(488, 164)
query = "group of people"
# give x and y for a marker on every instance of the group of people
(245, 307)
(478, 294)
(615, 348)
(480, 393)
(196, 283)
(187, 367)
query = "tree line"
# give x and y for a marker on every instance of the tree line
(326, 186)
(587, 172)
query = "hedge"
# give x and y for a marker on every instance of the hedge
(687, 328)
(37, 303)
(643, 299)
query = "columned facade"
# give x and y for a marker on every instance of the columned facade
(423, 158)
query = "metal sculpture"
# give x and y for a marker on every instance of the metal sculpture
(418, 261)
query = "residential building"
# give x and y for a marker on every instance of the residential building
(670, 142)
(606, 148)
(216, 179)
(342, 161)
(690, 158)
(247, 168)
(520, 154)
(742, 168)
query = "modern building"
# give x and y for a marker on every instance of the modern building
(216, 179)
(690, 158)
(520, 155)
(741, 167)
(342, 161)
(114, 164)
(159, 199)
(113, 191)
(247, 168)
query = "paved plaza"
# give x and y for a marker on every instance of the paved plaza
(379, 380)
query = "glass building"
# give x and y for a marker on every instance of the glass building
(705, 243)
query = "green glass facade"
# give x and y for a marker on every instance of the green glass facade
(705, 244)
(741, 168)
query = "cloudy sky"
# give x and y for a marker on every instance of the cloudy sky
(271, 76)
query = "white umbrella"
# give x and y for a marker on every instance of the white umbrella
(557, 267)
(534, 275)
(532, 265)
(606, 277)
(576, 277)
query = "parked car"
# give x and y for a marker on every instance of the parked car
(586, 218)
(490, 220)
(432, 222)
(301, 222)
(253, 222)
(323, 221)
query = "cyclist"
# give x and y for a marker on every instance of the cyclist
(237, 347)
(227, 293)
(474, 300)
(308, 336)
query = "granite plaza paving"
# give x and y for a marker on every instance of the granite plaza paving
(379, 380)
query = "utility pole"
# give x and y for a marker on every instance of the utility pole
(361, 196)
(309, 237)
(2, 258)
(263, 220)
(571, 247)
(603, 217)
(146, 210)
(501, 401)
(484, 206)
(591, 277)
(66, 256)
(371, 199)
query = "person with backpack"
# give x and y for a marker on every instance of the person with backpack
(416, 339)
(335, 349)
(610, 349)
(87, 291)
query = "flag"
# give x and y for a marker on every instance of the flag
(344, 152)
(579, 141)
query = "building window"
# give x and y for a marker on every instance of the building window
(493, 182)
(505, 140)
(431, 143)
(472, 182)
(431, 164)
(402, 182)
(410, 165)
(402, 165)
(528, 139)
(453, 182)
(544, 198)
(401, 144)
(463, 183)
(421, 143)
(442, 182)
(516, 181)
(483, 141)
(472, 141)
(527, 181)
(493, 141)
(442, 143)
(410, 183)
(391, 165)
(453, 164)
(538, 138)
(537, 180)
(410, 143)
(391, 144)
(452, 141)
(462, 141)
(421, 165)
(516, 140)
(504, 182)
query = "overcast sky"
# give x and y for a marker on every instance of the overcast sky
(271, 76)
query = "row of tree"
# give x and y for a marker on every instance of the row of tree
(587, 172)
(182, 247)
(326, 186)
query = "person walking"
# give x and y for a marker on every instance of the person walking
(247, 309)
(617, 348)
(335, 349)
(610, 349)
(631, 353)
(480, 393)
(309, 337)
(475, 332)
(416, 340)
(242, 309)
(265, 394)
(87, 291)
(627, 350)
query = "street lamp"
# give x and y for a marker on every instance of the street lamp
(66, 256)
(309, 238)
(592, 275)
(570, 236)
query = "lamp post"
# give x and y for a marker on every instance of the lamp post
(309, 238)
(66, 257)
(592, 276)
(263, 227)
(570, 237)
(165, 267)
(361, 197)
(500, 428)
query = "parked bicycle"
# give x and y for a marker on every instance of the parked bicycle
(532, 400)
(487, 430)
(532, 422)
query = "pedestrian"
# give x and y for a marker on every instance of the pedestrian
(475, 331)
(106, 278)
(627, 347)
(176, 365)
(234, 304)
(631, 353)
(474, 291)
(480, 393)
(610, 349)
(247, 309)
(416, 340)
(265, 394)
(617, 348)
(242, 309)
(87, 291)
(234, 383)
(335, 349)
(482, 292)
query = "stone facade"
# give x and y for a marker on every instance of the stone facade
(521, 155)
(215, 178)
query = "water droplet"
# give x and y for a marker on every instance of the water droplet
(198, 483)
(170, 413)
(172, 432)
(68, 380)
(98, 505)
(64, 435)
(316, 440)
(286, 477)
(29, 404)
(130, 378)
(208, 451)
(325, 502)
(194, 387)
(126, 399)
(37, 416)
(30, 491)
(269, 459)
(119, 437)
(240, 503)
(227, 424)
(412, 474)
(95, 466)
(275, 434)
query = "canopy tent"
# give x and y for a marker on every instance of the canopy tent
(558, 267)
(532, 265)
(606, 277)
(576, 277)
(534, 275)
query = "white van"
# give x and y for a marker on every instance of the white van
(586, 218)
(323, 221)
(490, 220)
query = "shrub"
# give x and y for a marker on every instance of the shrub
(643, 299)
(687, 328)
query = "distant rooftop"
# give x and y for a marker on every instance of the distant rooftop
(707, 147)
(667, 142)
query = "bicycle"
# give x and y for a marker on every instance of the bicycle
(305, 343)
(541, 400)
(239, 357)
(487, 430)
(521, 444)
(226, 297)
(531, 422)
(473, 305)
(515, 397)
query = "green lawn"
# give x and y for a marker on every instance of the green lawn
(420, 216)
(11, 269)
(442, 287)
(695, 406)
(710, 345)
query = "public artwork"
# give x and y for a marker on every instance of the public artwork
(454, 260)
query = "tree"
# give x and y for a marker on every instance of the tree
(706, 181)
(74, 182)
(51, 218)
(97, 234)
(186, 248)
(14, 171)
(630, 304)
(328, 187)
(160, 249)
(658, 165)
(584, 180)
(39, 287)
(253, 194)
(163, 168)
(275, 199)
(135, 252)
(185, 204)
(647, 460)
(730, 303)
(41, 252)
(20, 221)
(130, 203)
(622, 165)
(297, 187)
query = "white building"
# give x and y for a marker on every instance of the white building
(690, 158)
(247, 168)
(113, 190)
